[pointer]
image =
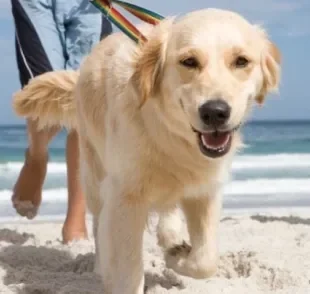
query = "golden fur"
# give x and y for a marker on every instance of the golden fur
(57, 109)
(133, 107)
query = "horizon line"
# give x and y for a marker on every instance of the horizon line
(282, 120)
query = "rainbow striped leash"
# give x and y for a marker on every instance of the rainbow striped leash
(118, 19)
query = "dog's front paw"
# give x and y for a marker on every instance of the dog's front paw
(169, 239)
(182, 250)
(182, 260)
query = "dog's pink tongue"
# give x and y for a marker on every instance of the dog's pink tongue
(215, 140)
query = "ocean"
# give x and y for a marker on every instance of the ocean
(272, 171)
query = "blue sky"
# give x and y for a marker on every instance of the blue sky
(287, 22)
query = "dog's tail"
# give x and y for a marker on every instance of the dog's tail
(49, 99)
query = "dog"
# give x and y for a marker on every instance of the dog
(159, 124)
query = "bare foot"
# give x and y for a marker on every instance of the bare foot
(27, 191)
(74, 230)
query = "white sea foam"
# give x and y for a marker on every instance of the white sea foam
(268, 186)
(242, 162)
(276, 161)
(9, 168)
(52, 195)
(234, 188)
(247, 189)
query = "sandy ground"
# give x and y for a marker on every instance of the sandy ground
(259, 254)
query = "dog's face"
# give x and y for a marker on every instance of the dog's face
(210, 64)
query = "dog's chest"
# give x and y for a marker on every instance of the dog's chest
(200, 190)
(169, 190)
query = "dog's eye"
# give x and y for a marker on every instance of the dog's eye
(241, 62)
(191, 62)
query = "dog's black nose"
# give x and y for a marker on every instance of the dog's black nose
(214, 112)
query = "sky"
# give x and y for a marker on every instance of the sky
(286, 21)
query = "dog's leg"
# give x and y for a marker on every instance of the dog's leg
(169, 228)
(199, 260)
(120, 239)
(92, 193)
(91, 175)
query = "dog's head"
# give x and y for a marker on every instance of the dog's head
(208, 65)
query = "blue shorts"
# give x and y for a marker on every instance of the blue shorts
(55, 34)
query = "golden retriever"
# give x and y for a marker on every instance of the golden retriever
(159, 124)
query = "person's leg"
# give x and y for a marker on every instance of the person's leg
(27, 191)
(84, 29)
(33, 20)
(74, 226)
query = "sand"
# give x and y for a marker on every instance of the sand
(266, 253)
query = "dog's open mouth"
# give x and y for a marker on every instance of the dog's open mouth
(214, 144)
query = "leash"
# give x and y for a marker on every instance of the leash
(118, 19)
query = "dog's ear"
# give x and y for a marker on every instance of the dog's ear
(150, 61)
(271, 68)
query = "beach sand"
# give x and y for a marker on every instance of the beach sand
(266, 253)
